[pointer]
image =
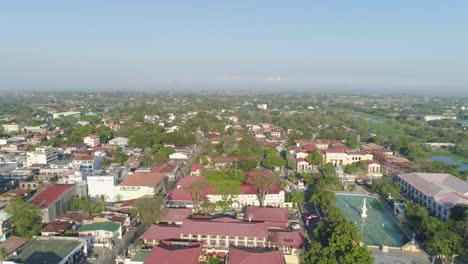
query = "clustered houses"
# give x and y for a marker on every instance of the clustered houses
(221, 236)
(333, 152)
(438, 192)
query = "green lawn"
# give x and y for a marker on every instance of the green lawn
(387, 130)
(380, 125)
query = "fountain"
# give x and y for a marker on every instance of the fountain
(364, 209)
(374, 224)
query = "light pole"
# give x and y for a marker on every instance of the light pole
(453, 257)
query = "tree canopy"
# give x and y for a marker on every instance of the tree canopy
(25, 218)
(150, 209)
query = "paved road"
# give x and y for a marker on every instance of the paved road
(108, 256)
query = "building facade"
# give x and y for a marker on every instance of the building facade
(42, 155)
(438, 192)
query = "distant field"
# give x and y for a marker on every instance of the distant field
(386, 129)
(380, 124)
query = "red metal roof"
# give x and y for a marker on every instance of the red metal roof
(177, 254)
(254, 256)
(84, 157)
(12, 243)
(50, 195)
(150, 179)
(267, 214)
(197, 166)
(225, 228)
(293, 239)
(57, 227)
(161, 232)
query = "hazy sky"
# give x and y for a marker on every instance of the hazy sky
(374, 44)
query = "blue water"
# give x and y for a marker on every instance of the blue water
(378, 227)
(450, 161)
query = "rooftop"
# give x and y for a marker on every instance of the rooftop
(40, 250)
(175, 254)
(255, 256)
(13, 243)
(293, 239)
(267, 214)
(107, 226)
(50, 195)
(445, 188)
(149, 179)
(161, 232)
(224, 228)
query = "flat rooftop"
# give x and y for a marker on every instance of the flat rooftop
(45, 251)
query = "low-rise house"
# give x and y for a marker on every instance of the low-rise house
(36, 140)
(92, 140)
(140, 184)
(54, 201)
(56, 228)
(223, 162)
(373, 168)
(178, 156)
(12, 243)
(275, 133)
(119, 141)
(196, 169)
(101, 234)
(86, 162)
(302, 165)
(5, 227)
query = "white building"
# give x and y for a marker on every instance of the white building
(178, 156)
(42, 155)
(10, 128)
(140, 184)
(262, 106)
(436, 191)
(102, 186)
(439, 117)
(86, 163)
(92, 140)
(119, 141)
(65, 114)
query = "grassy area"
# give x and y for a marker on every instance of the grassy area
(447, 153)
(387, 130)
(379, 124)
